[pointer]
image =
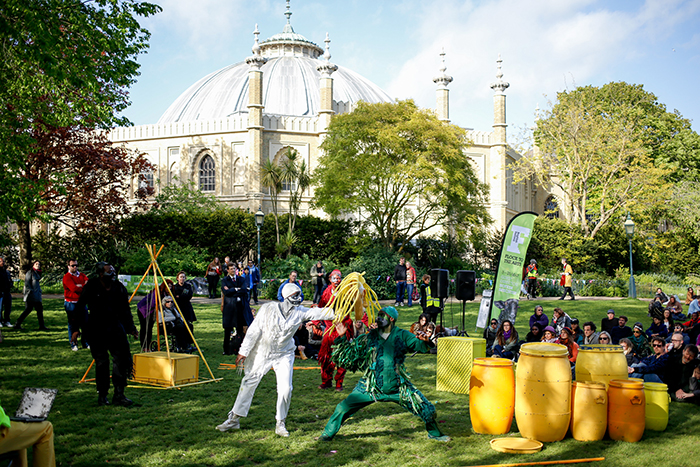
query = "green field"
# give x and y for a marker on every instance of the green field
(176, 427)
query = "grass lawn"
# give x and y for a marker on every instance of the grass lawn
(176, 427)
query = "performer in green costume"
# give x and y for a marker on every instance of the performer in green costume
(380, 354)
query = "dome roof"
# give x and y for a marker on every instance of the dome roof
(291, 84)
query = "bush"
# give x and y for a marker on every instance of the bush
(172, 259)
(378, 263)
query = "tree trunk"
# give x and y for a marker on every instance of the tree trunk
(25, 246)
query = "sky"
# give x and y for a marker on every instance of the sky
(547, 46)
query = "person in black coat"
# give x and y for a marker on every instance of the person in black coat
(183, 293)
(106, 329)
(233, 292)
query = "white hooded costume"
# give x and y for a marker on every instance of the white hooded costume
(269, 343)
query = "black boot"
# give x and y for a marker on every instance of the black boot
(120, 399)
(102, 400)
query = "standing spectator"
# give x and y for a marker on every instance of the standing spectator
(5, 295)
(232, 295)
(410, 282)
(689, 296)
(212, 274)
(32, 297)
(326, 350)
(73, 283)
(490, 336)
(317, 274)
(539, 317)
(589, 334)
(183, 293)
(430, 305)
(506, 343)
(607, 324)
(560, 320)
(292, 280)
(531, 274)
(107, 326)
(254, 280)
(566, 279)
(621, 330)
(400, 279)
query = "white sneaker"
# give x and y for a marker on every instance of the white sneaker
(74, 347)
(281, 430)
(231, 423)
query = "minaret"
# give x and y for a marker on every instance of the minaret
(254, 144)
(326, 104)
(443, 94)
(499, 105)
(497, 165)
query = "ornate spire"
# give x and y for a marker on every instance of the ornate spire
(288, 13)
(499, 85)
(256, 60)
(327, 68)
(443, 79)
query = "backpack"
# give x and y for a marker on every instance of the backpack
(656, 310)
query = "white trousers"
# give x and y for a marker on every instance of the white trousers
(283, 366)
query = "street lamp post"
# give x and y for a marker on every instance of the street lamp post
(259, 217)
(629, 230)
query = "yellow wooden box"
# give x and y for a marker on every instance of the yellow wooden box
(155, 368)
(454, 362)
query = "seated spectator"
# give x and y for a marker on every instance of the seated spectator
(652, 368)
(146, 311)
(680, 375)
(694, 306)
(604, 338)
(694, 319)
(535, 334)
(566, 340)
(20, 436)
(640, 343)
(628, 350)
(667, 321)
(589, 334)
(607, 324)
(506, 343)
(678, 328)
(675, 308)
(549, 335)
(490, 336)
(657, 328)
(661, 296)
(689, 296)
(560, 320)
(576, 331)
(420, 325)
(292, 280)
(176, 324)
(539, 317)
(621, 330)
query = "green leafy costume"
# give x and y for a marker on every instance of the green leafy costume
(385, 378)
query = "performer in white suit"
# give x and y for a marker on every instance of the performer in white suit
(268, 344)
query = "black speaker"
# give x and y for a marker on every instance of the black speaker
(465, 285)
(439, 283)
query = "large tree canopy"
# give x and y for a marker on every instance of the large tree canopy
(403, 170)
(65, 69)
(611, 149)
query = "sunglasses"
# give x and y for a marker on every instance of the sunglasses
(637, 331)
(657, 345)
(604, 339)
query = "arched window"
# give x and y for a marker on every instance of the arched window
(207, 174)
(551, 208)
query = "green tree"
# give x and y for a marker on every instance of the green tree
(184, 198)
(403, 170)
(272, 179)
(598, 146)
(66, 65)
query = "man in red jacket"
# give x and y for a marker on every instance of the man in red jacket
(73, 283)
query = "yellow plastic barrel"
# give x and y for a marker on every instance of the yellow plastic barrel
(600, 363)
(543, 391)
(589, 410)
(492, 395)
(626, 409)
(657, 400)
(641, 380)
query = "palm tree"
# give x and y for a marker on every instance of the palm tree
(272, 180)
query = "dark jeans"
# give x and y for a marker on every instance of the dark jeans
(254, 293)
(7, 305)
(71, 313)
(567, 290)
(117, 345)
(532, 286)
(410, 292)
(31, 305)
(318, 290)
(212, 281)
(400, 291)
(498, 350)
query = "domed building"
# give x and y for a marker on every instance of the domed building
(222, 129)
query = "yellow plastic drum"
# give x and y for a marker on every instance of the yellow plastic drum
(656, 415)
(626, 408)
(543, 391)
(589, 410)
(492, 395)
(600, 363)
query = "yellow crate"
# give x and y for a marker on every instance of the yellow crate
(155, 368)
(454, 362)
